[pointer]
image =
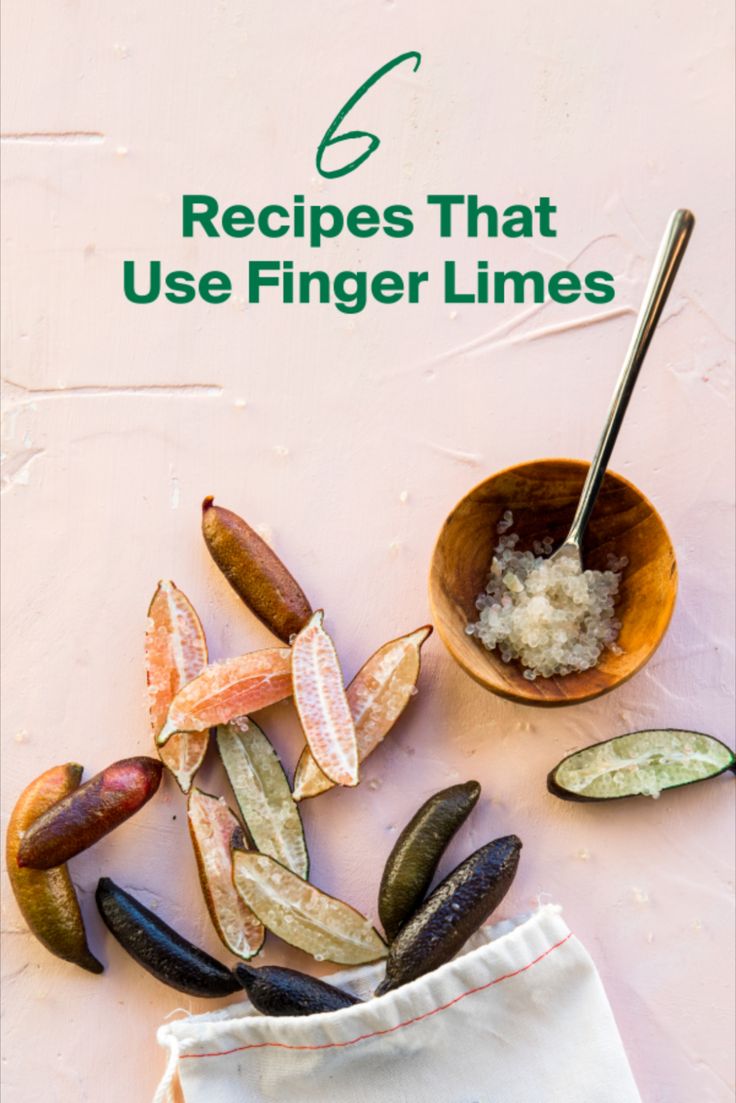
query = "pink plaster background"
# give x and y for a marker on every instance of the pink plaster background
(349, 439)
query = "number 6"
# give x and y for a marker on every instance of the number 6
(373, 141)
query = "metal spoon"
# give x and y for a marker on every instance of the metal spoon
(671, 252)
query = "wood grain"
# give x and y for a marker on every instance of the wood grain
(542, 496)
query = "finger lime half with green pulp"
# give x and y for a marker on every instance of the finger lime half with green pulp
(640, 764)
(262, 791)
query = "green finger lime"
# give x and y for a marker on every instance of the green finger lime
(642, 763)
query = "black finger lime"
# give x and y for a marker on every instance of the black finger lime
(453, 912)
(277, 991)
(158, 948)
(412, 863)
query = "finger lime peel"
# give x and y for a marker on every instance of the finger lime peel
(453, 912)
(267, 887)
(640, 764)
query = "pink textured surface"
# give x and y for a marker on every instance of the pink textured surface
(348, 439)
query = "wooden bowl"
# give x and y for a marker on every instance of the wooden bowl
(542, 497)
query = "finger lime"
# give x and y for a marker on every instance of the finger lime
(47, 898)
(640, 764)
(412, 863)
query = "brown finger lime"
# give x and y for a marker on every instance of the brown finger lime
(254, 571)
(47, 898)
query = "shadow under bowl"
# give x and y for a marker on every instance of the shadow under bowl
(543, 496)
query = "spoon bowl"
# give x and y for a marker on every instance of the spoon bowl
(543, 496)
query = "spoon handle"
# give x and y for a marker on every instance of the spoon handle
(671, 252)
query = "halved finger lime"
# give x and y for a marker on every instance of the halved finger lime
(176, 652)
(212, 825)
(642, 763)
(301, 915)
(262, 791)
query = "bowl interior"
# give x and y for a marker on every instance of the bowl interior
(542, 496)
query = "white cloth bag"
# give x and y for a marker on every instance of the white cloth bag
(519, 1017)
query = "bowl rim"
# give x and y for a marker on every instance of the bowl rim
(516, 695)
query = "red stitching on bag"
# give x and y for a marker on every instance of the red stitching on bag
(390, 1029)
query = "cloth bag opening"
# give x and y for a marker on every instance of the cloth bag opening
(520, 1016)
